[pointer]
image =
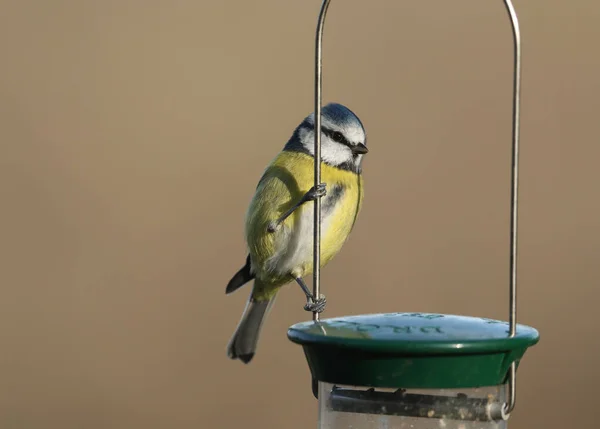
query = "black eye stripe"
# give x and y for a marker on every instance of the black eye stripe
(330, 133)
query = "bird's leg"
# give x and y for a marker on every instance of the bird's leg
(311, 195)
(312, 305)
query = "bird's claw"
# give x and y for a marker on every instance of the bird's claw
(316, 192)
(316, 306)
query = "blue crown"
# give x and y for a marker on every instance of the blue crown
(340, 114)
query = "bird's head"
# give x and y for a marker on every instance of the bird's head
(343, 137)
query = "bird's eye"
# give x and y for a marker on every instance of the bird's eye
(338, 137)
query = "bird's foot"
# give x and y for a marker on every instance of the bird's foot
(316, 192)
(316, 306)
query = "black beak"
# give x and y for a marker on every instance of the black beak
(359, 149)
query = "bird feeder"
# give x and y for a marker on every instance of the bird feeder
(411, 370)
(415, 370)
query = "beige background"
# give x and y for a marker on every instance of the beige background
(132, 136)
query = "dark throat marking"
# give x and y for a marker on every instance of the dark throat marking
(334, 195)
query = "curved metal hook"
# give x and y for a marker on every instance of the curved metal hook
(511, 400)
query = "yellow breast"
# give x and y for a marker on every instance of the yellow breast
(286, 180)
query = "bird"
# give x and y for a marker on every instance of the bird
(280, 217)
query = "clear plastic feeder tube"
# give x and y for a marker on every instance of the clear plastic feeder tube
(353, 407)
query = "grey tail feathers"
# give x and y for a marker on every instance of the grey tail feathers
(242, 345)
(239, 279)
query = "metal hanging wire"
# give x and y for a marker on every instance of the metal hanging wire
(512, 391)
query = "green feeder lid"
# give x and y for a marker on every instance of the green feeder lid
(412, 350)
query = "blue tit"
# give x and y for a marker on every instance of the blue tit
(280, 218)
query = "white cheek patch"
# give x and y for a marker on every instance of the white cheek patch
(335, 153)
(306, 137)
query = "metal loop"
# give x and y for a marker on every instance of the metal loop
(511, 395)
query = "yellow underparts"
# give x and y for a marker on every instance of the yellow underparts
(286, 180)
